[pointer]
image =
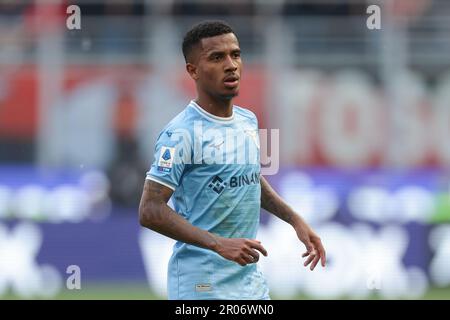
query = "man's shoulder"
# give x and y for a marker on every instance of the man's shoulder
(245, 113)
(183, 120)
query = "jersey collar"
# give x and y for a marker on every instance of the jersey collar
(210, 116)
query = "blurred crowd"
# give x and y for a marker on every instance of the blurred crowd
(127, 34)
(195, 7)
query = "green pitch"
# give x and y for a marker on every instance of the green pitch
(138, 291)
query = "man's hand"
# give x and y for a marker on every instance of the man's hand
(273, 203)
(239, 250)
(313, 244)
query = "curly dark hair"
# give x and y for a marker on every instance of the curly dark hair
(203, 30)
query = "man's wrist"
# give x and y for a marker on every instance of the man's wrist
(295, 220)
(214, 242)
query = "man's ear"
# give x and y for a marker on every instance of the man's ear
(192, 70)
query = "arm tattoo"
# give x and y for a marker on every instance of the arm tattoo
(155, 214)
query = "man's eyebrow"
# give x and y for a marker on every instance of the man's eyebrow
(215, 51)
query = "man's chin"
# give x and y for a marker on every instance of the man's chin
(230, 95)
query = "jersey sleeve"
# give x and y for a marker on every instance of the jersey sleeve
(173, 151)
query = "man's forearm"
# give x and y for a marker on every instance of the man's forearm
(274, 204)
(156, 215)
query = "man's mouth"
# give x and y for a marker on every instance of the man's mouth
(231, 81)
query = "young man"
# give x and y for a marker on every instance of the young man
(207, 158)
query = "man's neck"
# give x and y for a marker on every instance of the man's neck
(219, 108)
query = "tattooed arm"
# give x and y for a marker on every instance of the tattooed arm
(274, 204)
(155, 214)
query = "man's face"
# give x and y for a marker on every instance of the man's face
(218, 66)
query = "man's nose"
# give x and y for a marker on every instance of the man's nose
(230, 64)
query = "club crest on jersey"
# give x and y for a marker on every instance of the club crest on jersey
(165, 161)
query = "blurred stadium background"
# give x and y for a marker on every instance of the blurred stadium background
(364, 120)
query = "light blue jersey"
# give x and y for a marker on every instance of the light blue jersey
(212, 164)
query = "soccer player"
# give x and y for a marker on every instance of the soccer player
(207, 160)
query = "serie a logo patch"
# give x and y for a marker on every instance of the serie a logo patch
(165, 161)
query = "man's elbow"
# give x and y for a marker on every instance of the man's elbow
(143, 219)
(148, 216)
